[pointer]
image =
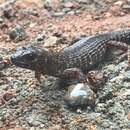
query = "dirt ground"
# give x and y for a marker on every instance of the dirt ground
(27, 101)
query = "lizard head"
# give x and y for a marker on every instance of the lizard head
(26, 57)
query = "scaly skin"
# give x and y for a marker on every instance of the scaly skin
(83, 55)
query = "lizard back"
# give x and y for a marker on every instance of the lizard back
(89, 51)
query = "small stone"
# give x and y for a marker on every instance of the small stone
(80, 95)
(1, 124)
(2, 102)
(36, 119)
(32, 128)
(8, 12)
(58, 14)
(17, 34)
(31, 12)
(66, 10)
(31, 25)
(119, 3)
(128, 116)
(71, 13)
(2, 65)
(51, 4)
(126, 76)
(85, 1)
(108, 14)
(101, 107)
(69, 5)
(126, 7)
(2, 23)
(8, 95)
(40, 37)
(79, 111)
(51, 41)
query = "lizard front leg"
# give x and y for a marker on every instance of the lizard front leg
(38, 76)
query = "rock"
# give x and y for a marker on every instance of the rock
(85, 1)
(51, 4)
(35, 119)
(2, 23)
(8, 95)
(17, 34)
(108, 14)
(40, 38)
(29, 3)
(80, 95)
(1, 124)
(71, 13)
(126, 76)
(126, 7)
(101, 107)
(70, 5)
(31, 11)
(119, 3)
(66, 10)
(4, 63)
(8, 12)
(58, 14)
(51, 41)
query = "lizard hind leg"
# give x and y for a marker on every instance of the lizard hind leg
(72, 76)
(124, 50)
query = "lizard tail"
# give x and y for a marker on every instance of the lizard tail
(121, 36)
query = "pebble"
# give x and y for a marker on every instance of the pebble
(8, 12)
(2, 23)
(1, 124)
(119, 3)
(51, 41)
(58, 14)
(40, 37)
(69, 5)
(101, 107)
(51, 4)
(8, 95)
(85, 1)
(126, 76)
(126, 7)
(36, 119)
(80, 95)
(17, 34)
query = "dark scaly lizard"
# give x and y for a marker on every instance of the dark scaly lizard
(73, 60)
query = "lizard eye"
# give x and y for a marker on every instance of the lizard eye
(30, 57)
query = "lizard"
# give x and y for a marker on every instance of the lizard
(72, 62)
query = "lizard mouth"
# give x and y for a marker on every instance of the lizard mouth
(19, 63)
